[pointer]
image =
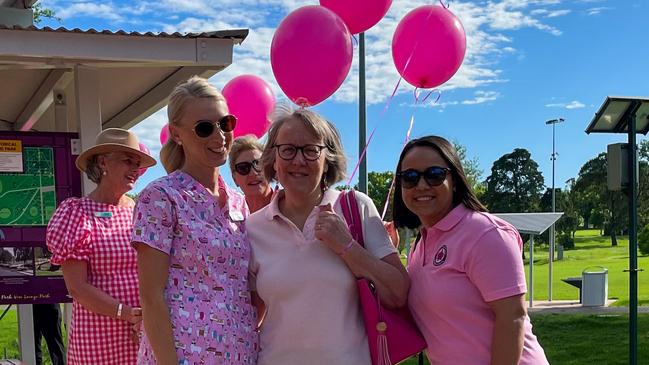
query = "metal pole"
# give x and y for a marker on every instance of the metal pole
(552, 228)
(551, 253)
(531, 291)
(633, 243)
(362, 138)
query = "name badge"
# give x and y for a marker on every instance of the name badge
(103, 214)
(236, 216)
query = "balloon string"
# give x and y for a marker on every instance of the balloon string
(387, 198)
(355, 40)
(445, 6)
(369, 140)
(387, 104)
(408, 133)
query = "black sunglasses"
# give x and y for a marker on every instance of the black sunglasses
(243, 168)
(205, 128)
(434, 176)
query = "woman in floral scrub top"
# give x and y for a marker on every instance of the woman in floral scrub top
(193, 252)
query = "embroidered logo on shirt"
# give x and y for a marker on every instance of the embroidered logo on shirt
(440, 256)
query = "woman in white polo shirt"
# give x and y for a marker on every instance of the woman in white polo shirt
(304, 261)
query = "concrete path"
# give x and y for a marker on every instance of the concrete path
(573, 306)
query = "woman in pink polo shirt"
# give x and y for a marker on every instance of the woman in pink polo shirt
(304, 261)
(467, 279)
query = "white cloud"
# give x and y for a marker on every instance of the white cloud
(571, 105)
(148, 131)
(597, 10)
(490, 28)
(482, 97)
(557, 13)
(106, 11)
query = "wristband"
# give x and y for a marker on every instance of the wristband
(120, 306)
(347, 247)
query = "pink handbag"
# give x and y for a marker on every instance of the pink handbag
(392, 334)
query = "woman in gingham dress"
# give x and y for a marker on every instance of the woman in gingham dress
(90, 238)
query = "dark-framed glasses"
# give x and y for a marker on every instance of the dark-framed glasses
(243, 168)
(205, 128)
(434, 176)
(311, 152)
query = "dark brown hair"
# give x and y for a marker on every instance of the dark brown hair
(463, 194)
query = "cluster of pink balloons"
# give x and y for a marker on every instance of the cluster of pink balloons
(428, 46)
(251, 100)
(311, 52)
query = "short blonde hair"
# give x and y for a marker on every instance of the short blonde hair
(319, 127)
(241, 144)
(172, 155)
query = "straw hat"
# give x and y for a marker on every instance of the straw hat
(113, 140)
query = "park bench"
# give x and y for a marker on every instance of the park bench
(575, 281)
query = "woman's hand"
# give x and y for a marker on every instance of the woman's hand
(331, 229)
(131, 315)
(392, 233)
(136, 333)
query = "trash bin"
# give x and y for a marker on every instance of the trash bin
(594, 286)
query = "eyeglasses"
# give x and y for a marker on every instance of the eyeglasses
(434, 176)
(205, 128)
(311, 152)
(243, 168)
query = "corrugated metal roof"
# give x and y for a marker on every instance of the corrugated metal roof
(238, 34)
(530, 223)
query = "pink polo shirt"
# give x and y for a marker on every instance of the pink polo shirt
(459, 265)
(313, 313)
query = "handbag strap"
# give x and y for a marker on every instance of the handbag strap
(352, 215)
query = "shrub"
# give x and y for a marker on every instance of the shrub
(567, 241)
(643, 240)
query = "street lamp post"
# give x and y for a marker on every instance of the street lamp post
(553, 122)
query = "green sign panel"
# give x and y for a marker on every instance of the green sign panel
(29, 198)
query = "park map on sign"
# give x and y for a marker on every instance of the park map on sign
(29, 198)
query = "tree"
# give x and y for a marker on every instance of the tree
(41, 13)
(378, 184)
(608, 207)
(515, 183)
(471, 168)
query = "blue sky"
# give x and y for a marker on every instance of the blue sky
(527, 61)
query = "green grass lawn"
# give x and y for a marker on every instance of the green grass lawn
(9, 338)
(591, 249)
(580, 339)
(570, 339)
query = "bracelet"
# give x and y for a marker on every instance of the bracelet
(120, 306)
(347, 247)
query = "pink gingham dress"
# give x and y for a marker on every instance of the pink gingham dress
(207, 291)
(100, 235)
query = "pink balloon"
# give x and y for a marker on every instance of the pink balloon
(359, 15)
(428, 46)
(144, 149)
(311, 54)
(251, 100)
(164, 134)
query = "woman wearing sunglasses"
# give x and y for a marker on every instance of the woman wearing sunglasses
(246, 172)
(304, 261)
(467, 280)
(192, 249)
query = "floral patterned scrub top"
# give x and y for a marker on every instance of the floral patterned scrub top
(207, 292)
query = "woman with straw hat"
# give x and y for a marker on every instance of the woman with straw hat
(90, 238)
